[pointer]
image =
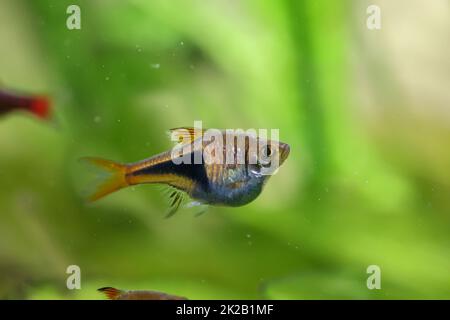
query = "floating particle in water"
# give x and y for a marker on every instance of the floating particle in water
(97, 119)
(107, 78)
(248, 236)
(181, 43)
(118, 120)
(155, 65)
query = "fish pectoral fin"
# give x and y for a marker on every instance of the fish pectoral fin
(176, 198)
(193, 204)
(185, 134)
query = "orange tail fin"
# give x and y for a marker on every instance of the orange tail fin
(111, 293)
(111, 177)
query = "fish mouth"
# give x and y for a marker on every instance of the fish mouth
(284, 152)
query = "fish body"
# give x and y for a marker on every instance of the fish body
(231, 183)
(117, 294)
(37, 105)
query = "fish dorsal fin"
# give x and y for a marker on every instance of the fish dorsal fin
(176, 198)
(111, 293)
(185, 134)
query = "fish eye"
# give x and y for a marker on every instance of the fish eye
(265, 157)
(268, 151)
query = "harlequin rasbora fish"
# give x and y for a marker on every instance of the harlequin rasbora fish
(207, 183)
(117, 294)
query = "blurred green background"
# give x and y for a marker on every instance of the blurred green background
(366, 113)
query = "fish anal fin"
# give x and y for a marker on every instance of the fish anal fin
(176, 198)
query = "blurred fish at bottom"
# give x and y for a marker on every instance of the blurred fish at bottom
(38, 105)
(118, 294)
